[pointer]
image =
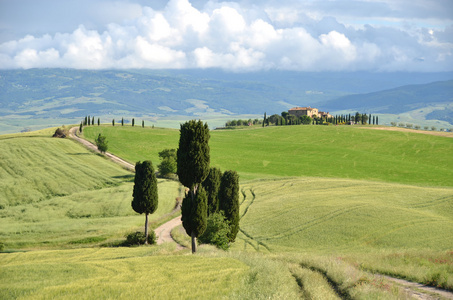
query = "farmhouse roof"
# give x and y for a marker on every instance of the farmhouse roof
(301, 108)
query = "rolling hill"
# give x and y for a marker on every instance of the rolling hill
(38, 98)
(320, 207)
(401, 99)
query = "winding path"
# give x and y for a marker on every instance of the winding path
(73, 134)
(163, 232)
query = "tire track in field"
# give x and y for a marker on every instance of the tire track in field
(433, 202)
(313, 222)
(250, 239)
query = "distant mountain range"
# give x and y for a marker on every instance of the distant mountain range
(48, 96)
(402, 99)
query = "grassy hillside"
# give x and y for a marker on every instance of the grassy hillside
(117, 274)
(315, 151)
(337, 215)
(54, 192)
(322, 206)
(400, 230)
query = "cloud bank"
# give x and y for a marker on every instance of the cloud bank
(248, 36)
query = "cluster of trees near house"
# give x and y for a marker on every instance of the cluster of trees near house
(287, 119)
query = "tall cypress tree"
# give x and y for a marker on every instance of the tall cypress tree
(92, 121)
(211, 185)
(145, 197)
(192, 168)
(229, 201)
(133, 122)
(99, 121)
(122, 121)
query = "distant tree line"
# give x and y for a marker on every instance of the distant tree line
(286, 119)
(240, 122)
(418, 127)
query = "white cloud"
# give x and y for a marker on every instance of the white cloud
(242, 35)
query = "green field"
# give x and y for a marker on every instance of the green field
(54, 192)
(343, 215)
(321, 208)
(136, 273)
(314, 151)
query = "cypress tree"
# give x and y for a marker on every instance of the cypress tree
(133, 122)
(99, 121)
(145, 197)
(264, 121)
(194, 215)
(211, 185)
(89, 120)
(80, 127)
(113, 122)
(143, 124)
(377, 121)
(122, 121)
(192, 168)
(92, 121)
(229, 201)
(86, 121)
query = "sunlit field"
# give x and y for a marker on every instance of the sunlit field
(54, 192)
(314, 151)
(322, 208)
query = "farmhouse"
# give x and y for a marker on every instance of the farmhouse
(308, 111)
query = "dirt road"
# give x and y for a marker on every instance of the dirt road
(164, 232)
(73, 134)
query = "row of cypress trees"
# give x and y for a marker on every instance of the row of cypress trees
(89, 120)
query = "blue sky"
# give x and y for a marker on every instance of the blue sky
(312, 35)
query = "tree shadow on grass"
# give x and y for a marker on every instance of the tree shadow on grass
(128, 177)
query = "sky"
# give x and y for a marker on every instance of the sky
(239, 36)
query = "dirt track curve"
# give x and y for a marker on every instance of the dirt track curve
(163, 232)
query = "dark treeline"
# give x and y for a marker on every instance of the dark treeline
(286, 119)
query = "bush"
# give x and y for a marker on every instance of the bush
(217, 231)
(60, 133)
(138, 238)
